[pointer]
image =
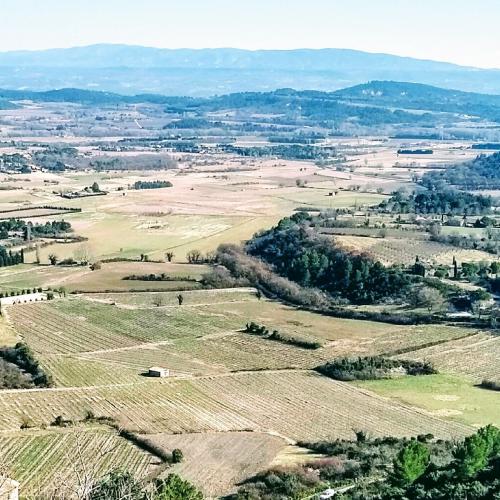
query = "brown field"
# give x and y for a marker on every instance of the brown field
(218, 462)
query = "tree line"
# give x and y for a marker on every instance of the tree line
(152, 184)
(297, 252)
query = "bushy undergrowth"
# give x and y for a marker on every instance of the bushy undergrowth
(390, 468)
(21, 356)
(255, 329)
(372, 368)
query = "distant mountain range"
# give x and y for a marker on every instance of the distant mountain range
(134, 69)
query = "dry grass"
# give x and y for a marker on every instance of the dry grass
(218, 462)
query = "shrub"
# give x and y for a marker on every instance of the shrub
(177, 456)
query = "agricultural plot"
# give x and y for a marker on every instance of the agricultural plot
(217, 462)
(404, 251)
(477, 356)
(454, 397)
(191, 297)
(111, 277)
(62, 462)
(90, 342)
(297, 404)
(24, 276)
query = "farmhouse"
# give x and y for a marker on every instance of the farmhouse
(156, 371)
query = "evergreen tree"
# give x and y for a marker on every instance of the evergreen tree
(411, 463)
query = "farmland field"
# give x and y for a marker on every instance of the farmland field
(217, 462)
(447, 396)
(62, 462)
(404, 251)
(120, 340)
(228, 403)
(461, 356)
(234, 403)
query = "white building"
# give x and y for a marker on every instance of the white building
(156, 371)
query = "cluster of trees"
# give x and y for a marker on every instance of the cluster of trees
(247, 269)
(52, 228)
(152, 184)
(255, 329)
(480, 173)
(284, 151)
(48, 229)
(20, 292)
(10, 258)
(300, 254)
(373, 368)
(119, 485)
(15, 162)
(21, 356)
(437, 201)
(55, 158)
(157, 277)
(390, 469)
(415, 152)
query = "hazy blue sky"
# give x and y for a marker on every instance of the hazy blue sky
(462, 31)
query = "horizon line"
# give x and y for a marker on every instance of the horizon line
(295, 49)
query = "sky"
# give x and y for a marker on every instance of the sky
(460, 31)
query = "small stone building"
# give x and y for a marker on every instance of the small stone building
(157, 371)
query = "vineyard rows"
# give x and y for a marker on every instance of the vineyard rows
(43, 461)
(257, 400)
(191, 297)
(478, 356)
(404, 251)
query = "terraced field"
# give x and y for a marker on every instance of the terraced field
(61, 462)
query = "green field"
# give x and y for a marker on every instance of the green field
(449, 396)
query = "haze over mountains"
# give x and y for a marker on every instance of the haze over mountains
(134, 69)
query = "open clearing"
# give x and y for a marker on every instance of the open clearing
(109, 277)
(447, 396)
